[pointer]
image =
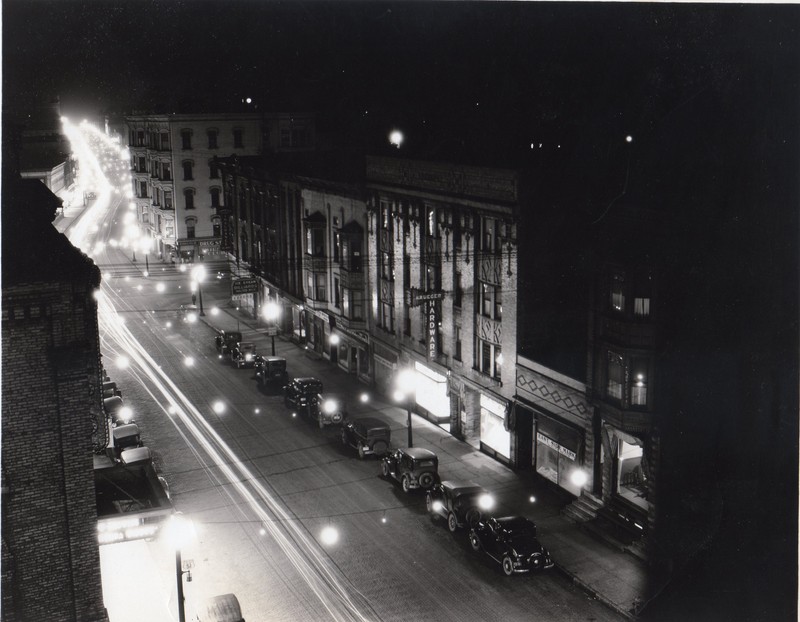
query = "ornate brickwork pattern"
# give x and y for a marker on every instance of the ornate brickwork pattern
(557, 395)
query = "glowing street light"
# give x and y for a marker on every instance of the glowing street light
(272, 312)
(179, 532)
(406, 388)
(396, 138)
(199, 275)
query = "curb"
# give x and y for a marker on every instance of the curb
(594, 593)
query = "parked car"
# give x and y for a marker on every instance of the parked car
(244, 354)
(225, 341)
(125, 437)
(115, 408)
(368, 435)
(511, 542)
(301, 393)
(187, 313)
(461, 503)
(413, 467)
(271, 371)
(110, 389)
(135, 454)
(327, 410)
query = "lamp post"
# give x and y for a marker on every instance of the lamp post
(406, 391)
(199, 275)
(179, 532)
(145, 244)
(271, 313)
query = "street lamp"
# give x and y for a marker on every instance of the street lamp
(272, 311)
(199, 275)
(179, 532)
(406, 383)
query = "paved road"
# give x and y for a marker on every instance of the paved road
(261, 485)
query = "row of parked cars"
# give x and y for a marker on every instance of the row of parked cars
(125, 444)
(511, 541)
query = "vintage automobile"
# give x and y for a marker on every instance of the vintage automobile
(413, 467)
(115, 408)
(368, 435)
(328, 410)
(187, 313)
(225, 341)
(244, 354)
(110, 389)
(511, 542)
(271, 371)
(302, 393)
(125, 437)
(461, 503)
(135, 454)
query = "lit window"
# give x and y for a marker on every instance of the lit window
(618, 292)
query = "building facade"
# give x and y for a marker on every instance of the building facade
(52, 420)
(176, 184)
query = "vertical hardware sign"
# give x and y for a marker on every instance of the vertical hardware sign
(433, 327)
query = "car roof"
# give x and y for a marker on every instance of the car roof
(135, 454)
(418, 453)
(462, 487)
(514, 521)
(273, 358)
(307, 380)
(129, 429)
(247, 344)
(371, 423)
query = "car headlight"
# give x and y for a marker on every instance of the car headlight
(248, 357)
(438, 506)
(329, 406)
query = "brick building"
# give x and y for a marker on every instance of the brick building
(52, 419)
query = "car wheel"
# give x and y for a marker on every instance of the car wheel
(361, 452)
(452, 522)
(385, 468)
(379, 447)
(426, 480)
(406, 483)
(508, 566)
(474, 541)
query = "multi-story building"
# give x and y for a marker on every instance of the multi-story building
(176, 184)
(443, 274)
(52, 419)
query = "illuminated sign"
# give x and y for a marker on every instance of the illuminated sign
(432, 330)
(244, 286)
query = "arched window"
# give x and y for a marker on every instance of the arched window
(188, 196)
(190, 227)
(187, 170)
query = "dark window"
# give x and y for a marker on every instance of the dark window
(164, 141)
(166, 171)
(143, 189)
(212, 139)
(238, 138)
(188, 195)
(186, 139)
(190, 230)
(216, 229)
(459, 291)
(337, 242)
(142, 166)
(618, 292)
(616, 376)
(337, 301)
(187, 171)
(215, 197)
(140, 138)
(458, 343)
(167, 200)
(213, 170)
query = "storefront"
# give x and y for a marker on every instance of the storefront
(495, 438)
(630, 468)
(431, 394)
(353, 353)
(558, 454)
(384, 365)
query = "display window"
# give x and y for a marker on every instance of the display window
(631, 476)
(431, 391)
(493, 431)
(557, 456)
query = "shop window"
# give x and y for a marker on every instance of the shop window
(631, 474)
(557, 456)
(618, 292)
(493, 432)
(616, 376)
(186, 139)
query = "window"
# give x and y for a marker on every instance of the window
(317, 281)
(489, 231)
(214, 197)
(639, 382)
(164, 141)
(167, 199)
(187, 171)
(618, 292)
(190, 229)
(213, 170)
(337, 243)
(643, 294)
(212, 139)
(458, 343)
(142, 189)
(186, 139)
(488, 358)
(238, 138)
(356, 305)
(491, 301)
(216, 228)
(141, 167)
(315, 242)
(188, 196)
(140, 138)
(166, 171)
(337, 301)
(616, 376)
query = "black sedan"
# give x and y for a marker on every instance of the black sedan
(511, 541)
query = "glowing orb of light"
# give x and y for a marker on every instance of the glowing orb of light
(218, 407)
(123, 362)
(329, 536)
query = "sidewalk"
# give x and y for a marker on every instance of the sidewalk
(616, 578)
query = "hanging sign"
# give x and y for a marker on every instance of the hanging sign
(433, 328)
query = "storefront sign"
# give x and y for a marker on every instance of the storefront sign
(415, 297)
(244, 286)
(553, 445)
(433, 328)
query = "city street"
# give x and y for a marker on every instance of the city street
(260, 485)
